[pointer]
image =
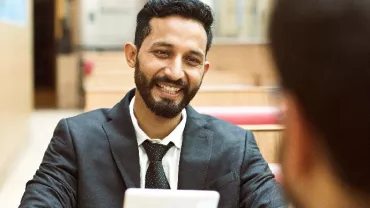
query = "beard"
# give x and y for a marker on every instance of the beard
(165, 107)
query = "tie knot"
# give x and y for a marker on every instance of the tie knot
(155, 151)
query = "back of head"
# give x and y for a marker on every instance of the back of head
(192, 9)
(322, 52)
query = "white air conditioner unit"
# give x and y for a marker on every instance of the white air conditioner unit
(107, 24)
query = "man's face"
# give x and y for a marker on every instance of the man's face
(170, 65)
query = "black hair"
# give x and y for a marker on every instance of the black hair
(322, 53)
(192, 9)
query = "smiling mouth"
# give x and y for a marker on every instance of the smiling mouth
(169, 89)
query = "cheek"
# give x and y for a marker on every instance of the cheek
(194, 78)
(150, 66)
(149, 70)
(286, 157)
(289, 151)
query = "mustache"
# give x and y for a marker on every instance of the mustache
(180, 82)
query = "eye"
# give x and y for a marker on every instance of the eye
(193, 61)
(161, 53)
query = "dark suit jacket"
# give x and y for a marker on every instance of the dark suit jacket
(93, 158)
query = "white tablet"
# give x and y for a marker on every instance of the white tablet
(165, 198)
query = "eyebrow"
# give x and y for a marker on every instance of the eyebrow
(169, 45)
(163, 44)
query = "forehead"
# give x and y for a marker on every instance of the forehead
(178, 31)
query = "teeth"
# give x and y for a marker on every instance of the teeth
(169, 89)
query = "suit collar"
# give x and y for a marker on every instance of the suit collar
(195, 152)
(123, 143)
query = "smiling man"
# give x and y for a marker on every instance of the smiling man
(153, 138)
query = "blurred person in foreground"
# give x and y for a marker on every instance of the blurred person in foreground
(94, 157)
(322, 52)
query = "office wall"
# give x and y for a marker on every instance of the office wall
(16, 84)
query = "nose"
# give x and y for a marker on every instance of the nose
(175, 71)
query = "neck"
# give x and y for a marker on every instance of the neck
(154, 126)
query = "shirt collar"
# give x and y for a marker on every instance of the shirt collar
(175, 136)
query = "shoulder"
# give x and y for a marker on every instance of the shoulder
(224, 128)
(84, 131)
(221, 129)
(88, 120)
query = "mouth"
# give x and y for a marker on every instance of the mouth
(169, 91)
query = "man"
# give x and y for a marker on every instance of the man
(153, 138)
(322, 52)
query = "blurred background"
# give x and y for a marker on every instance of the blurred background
(59, 58)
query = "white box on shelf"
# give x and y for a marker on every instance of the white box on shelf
(107, 23)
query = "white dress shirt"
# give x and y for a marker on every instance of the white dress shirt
(171, 159)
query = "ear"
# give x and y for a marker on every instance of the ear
(131, 54)
(206, 66)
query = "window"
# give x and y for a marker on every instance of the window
(241, 20)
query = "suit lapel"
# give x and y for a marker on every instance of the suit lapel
(195, 152)
(123, 143)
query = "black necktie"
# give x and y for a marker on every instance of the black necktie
(155, 176)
